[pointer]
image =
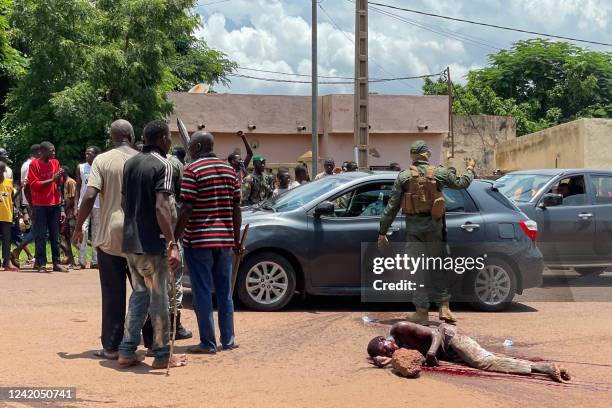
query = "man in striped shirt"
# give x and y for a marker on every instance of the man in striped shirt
(209, 224)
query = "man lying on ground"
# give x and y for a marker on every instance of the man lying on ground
(448, 343)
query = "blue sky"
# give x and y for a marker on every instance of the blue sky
(275, 35)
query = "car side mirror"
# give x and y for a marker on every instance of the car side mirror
(551, 200)
(324, 208)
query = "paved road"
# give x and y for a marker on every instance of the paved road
(312, 354)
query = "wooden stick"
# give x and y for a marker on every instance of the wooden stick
(238, 257)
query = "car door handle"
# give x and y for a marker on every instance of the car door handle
(391, 230)
(585, 216)
(469, 227)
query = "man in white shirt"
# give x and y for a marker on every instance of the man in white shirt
(93, 221)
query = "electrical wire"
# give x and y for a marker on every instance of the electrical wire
(211, 3)
(341, 77)
(378, 80)
(489, 25)
(380, 67)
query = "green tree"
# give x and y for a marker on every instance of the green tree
(93, 62)
(539, 82)
(12, 63)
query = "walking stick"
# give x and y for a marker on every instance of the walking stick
(173, 326)
(238, 258)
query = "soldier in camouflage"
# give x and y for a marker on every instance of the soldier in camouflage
(257, 186)
(417, 190)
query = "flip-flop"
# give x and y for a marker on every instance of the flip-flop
(109, 355)
(200, 350)
(131, 361)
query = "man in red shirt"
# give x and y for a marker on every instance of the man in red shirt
(44, 179)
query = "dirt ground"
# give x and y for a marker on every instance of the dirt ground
(312, 355)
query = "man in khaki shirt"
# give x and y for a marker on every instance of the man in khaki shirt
(106, 179)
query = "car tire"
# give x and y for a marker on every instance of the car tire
(593, 271)
(493, 287)
(276, 286)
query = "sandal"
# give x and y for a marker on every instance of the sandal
(109, 355)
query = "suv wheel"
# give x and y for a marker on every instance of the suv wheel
(593, 271)
(266, 282)
(492, 287)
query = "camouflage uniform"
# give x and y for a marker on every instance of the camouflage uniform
(178, 169)
(424, 235)
(256, 188)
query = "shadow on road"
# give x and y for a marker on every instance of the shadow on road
(560, 280)
(316, 304)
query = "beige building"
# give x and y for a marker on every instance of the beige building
(279, 127)
(477, 137)
(583, 143)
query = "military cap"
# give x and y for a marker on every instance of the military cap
(419, 147)
(258, 157)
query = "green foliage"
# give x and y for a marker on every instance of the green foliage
(12, 63)
(539, 82)
(93, 62)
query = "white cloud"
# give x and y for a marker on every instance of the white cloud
(275, 35)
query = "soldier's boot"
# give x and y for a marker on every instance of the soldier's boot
(181, 332)
(421, 316)
(445, 314)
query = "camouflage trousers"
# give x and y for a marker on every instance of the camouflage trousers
(178, 282)
(474, 355)
(149, 297)
(435, 282)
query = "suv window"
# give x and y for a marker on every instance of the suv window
(602, 188)
(369, 200)
(572, 189)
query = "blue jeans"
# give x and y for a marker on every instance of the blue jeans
(212, 268)
(46, 218)
(149, 296)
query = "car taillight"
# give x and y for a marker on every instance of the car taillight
(530, 227)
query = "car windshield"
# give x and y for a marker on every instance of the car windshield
(522, 187)
(304, 194)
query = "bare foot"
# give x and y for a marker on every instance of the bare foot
(131, 361)
(176, 361)
(555, 373)
(565, 375)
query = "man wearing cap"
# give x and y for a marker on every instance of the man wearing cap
(328, 166)
(256, 186)
(8, 173)
(418, 191)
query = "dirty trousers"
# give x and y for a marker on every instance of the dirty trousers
(150, 296)
(472, 353)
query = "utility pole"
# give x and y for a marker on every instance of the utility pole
(449, 85)
(361, 104)
(315, 94)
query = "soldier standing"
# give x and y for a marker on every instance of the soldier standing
(418, 191)
(256, 186)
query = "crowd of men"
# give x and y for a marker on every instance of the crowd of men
(142, 211)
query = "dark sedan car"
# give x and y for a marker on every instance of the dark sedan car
(573, 209)
(309, 239)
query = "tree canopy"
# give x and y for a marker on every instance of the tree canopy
(91, 62)
(539, 82)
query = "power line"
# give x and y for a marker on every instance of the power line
(489, 25)
(377, 80)
(353, 41)
(211, 3)
(445, 33)
(469, 116)
(341, 77)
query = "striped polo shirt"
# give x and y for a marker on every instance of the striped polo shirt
(212, 187)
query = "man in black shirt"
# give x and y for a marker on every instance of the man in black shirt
(149, 245)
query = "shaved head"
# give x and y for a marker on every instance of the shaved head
(121, 131)
(201, 142)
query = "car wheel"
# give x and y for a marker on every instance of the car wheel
(266, 282)
(493, 287)
(593, 271)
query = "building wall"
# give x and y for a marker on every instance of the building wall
(561, 146)
(478, 140)
(597, 146)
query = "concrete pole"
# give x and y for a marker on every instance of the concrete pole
(361, 103)
(315, 94)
